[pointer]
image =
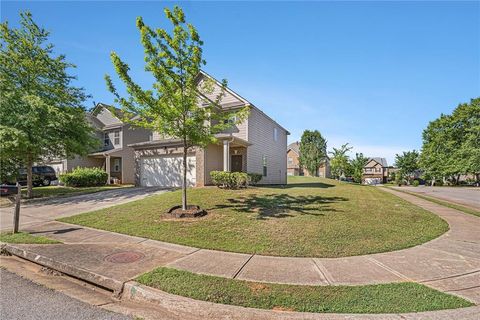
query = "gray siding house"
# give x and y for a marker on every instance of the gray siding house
(257, 145)
(114, 154)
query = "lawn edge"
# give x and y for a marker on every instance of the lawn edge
(136, 290)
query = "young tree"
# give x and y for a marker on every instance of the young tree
(41, 112)
(313, 151)
(407, 163)
(357, 164)
(339, 164)
(176, 106)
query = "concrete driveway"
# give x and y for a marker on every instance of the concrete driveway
(48, 210)
(461, 195)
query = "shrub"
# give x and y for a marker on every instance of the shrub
(254, 178)
(84, 177)
(415, 183)
(234, 180)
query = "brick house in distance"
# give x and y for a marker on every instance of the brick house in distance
(293, 164)
(375, 171)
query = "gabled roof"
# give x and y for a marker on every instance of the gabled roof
(295, 147)
(242, 99)
(381, 161)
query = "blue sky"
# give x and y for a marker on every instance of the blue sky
(369, 73)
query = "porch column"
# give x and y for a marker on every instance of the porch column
(226, 155)
(107, 167)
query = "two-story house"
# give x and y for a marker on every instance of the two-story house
(256, 145)
(295, 169)
(114, 154)
(375, 171)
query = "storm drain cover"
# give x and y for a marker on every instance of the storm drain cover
(124, 257)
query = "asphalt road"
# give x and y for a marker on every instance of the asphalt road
(461, 195)
(24, 300)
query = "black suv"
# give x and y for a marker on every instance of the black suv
(42, 176)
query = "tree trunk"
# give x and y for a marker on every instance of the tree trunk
(29, 177)
(433, 182)
(184, 181)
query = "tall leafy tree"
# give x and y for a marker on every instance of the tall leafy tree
(407, 163)
(339, 161)
(313, 151)
(451, 144)
(357, 164)
(176, 106)
(41, 112)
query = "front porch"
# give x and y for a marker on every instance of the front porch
(229, 154)
(112, 164)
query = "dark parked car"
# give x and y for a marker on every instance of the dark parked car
(42, 176)
(8, 190)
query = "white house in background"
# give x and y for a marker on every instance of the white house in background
(257, 145)
(114, 155)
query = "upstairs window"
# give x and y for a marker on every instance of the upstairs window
(116, 137)
(231, 120)
(275, 134)
(290, 160)
(106, 139)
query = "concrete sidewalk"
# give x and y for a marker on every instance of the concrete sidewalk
(450, 263)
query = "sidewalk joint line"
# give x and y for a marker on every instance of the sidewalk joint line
(468, 288)
(241, 268)
(398, 274)
(452, 276)
(324, 272)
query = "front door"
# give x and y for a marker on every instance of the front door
(237, 164)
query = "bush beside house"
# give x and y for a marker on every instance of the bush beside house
(85, 177)
(234, 180)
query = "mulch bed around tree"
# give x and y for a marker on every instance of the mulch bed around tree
(192, 211)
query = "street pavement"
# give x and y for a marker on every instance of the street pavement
(24, 300)
(48, 210)
(461, 195)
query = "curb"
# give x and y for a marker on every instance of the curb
(189, 308)
(76, 272)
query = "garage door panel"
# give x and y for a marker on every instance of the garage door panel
(166, 171)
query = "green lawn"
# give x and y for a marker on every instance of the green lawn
(383, 298)
(23, 237)
(310, 217)
(443, 203)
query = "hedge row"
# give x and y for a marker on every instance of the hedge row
(84, 177)
(234, 180)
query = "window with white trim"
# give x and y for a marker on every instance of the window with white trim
(290, 160)
(116, 137)
(116, 165)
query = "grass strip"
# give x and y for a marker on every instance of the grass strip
(443, 203)
(23, 237)
(381, 298)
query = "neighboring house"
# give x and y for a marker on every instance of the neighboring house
(293, 164)
(375, 171)
(257, 145)
(114, 154)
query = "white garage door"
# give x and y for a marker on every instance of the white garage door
(373, 181)
(166, 171)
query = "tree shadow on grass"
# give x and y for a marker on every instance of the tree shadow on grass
(282, 205)
(302, 185)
